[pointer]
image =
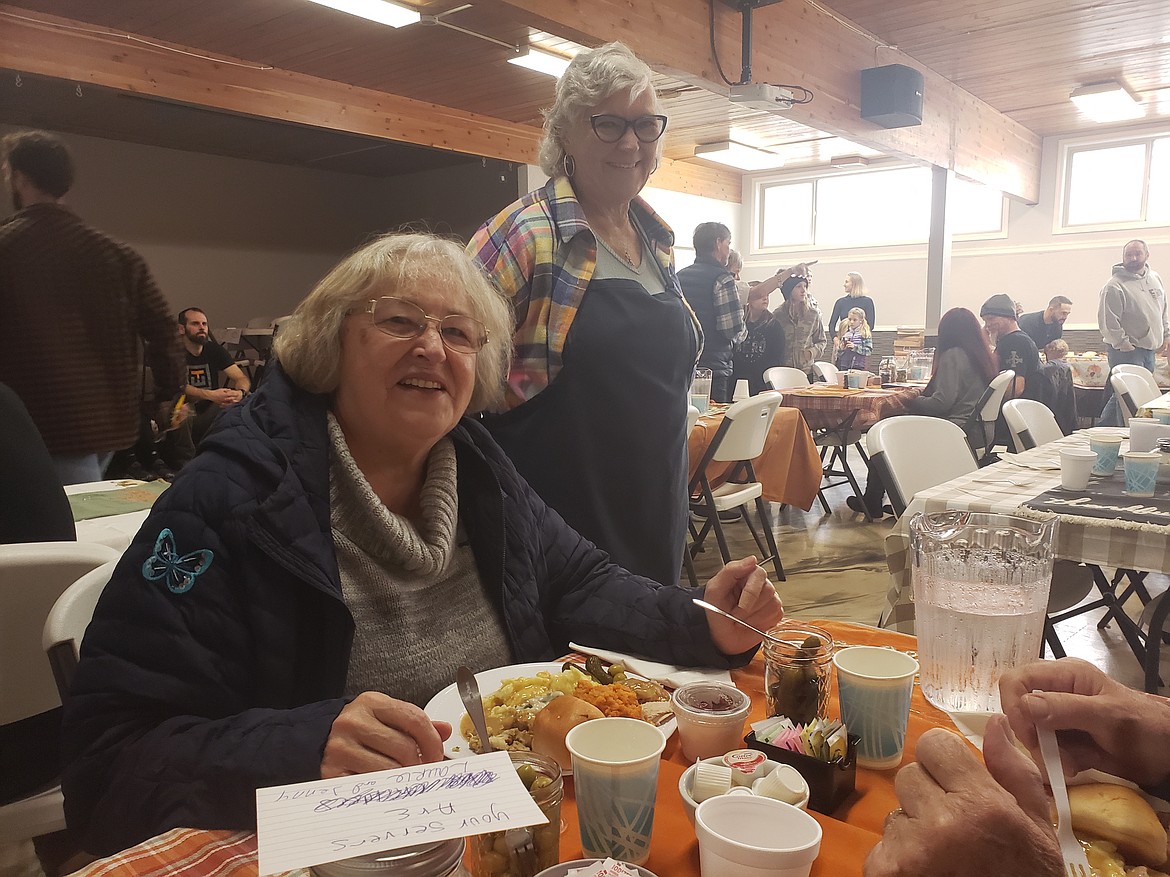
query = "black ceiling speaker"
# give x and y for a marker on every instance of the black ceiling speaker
(891, 96)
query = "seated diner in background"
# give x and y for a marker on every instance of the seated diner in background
(346, 538)
(963, 367)
(996, 819)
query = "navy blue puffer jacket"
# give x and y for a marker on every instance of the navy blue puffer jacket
(217, 657)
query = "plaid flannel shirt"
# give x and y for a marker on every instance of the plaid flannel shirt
(541, 254)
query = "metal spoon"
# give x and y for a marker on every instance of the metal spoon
(740, 621)
(473, 703)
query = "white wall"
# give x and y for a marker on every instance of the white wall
(247, 239)
(1032, 264)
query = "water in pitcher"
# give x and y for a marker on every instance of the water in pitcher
(969, 635)
(981, 587)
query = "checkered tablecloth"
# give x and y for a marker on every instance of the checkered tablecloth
(824, 409)
(1003, 488)
(186, 851)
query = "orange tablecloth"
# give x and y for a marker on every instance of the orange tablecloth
(824, 409)
(849, 833)
(789, 469)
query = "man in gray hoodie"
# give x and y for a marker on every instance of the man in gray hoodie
(1132, 317)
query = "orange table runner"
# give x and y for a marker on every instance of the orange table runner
(789, 469)
(849, 834)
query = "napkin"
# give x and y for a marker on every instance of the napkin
(670, 675)
(608, 868)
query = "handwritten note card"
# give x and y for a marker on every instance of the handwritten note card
(326, 820)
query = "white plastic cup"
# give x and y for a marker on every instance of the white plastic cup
(742, 836)
(710, 718)
(743, 392)
(875, 686)
(1075, 466)
(615, 773)
(1107, 448)
(1144, 433)
(1141, 472)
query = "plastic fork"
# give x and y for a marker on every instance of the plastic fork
(522, 848)
(1075, 862)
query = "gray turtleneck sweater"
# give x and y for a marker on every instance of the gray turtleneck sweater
(417, 602)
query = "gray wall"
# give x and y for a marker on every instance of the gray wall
(247, 239)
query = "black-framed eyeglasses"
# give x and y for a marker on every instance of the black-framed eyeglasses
(611, 129)
(400, 318)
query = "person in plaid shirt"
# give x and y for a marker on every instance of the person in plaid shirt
(594, 413)
(710, 291)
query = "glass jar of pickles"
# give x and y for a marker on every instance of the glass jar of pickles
(503, 853)
(796, 671)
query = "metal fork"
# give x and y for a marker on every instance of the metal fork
(1075, 862)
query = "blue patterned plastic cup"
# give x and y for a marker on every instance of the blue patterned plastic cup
(1106, 447)
(615, 773)
(1141, 472)
(875, 685)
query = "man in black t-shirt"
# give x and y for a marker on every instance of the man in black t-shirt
(1013, 348)
(206, 361)
(1046, 326)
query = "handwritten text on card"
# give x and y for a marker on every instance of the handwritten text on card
(325, 820)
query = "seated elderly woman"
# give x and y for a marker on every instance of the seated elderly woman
(345, 539)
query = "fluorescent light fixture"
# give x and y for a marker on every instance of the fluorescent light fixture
(540, 61)
(1107, 102)
(381, 11)
(738, 155)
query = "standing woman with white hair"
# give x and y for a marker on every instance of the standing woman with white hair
(594, 414)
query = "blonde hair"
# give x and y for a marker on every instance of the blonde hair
(590, 79)
(308, 344)
(843, 326)
(1057, 349)
(857, 288)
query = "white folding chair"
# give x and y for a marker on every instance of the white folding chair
(1142, 372)
(829, 373)
(1132, 393)
(913, 453)
(987, 411)
(1030, 424)
(781, 377)
(32, 577)
(65, 626)
(693, 415)
(739, 440)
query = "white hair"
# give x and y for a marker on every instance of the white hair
(590, 79)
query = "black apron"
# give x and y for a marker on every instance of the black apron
(605, 443)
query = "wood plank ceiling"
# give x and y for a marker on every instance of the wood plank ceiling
(1022, 57)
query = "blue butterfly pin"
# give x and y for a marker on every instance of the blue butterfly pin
(179, 572)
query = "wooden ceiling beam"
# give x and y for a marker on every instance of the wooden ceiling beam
(52, 46)
(795, 42)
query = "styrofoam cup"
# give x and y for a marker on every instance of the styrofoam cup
(742, 836)
(1075, 466)
(1144, 433)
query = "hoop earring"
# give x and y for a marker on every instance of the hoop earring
(570, 165)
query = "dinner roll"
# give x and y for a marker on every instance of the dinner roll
(1121, 816)
(552, 723)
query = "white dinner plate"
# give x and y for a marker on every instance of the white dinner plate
(1118, 431)
(446, 706)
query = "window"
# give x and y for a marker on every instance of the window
(786, 215)
(1124, 183)
(869, 208)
